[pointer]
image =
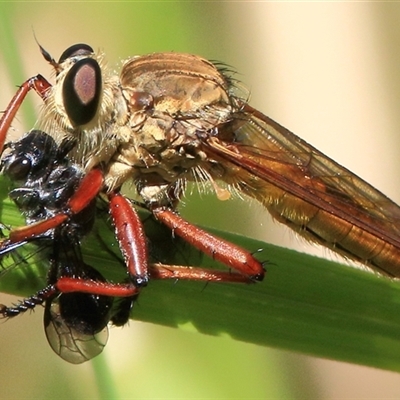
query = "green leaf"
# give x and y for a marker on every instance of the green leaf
(305, 304)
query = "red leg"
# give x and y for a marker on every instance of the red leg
(131, 238)
(162, 271)
(156, 271)
(37, 83)
(219, 249)
(70, 285)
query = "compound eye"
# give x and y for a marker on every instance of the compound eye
(31, 154)
(80, 49)
(82, 91)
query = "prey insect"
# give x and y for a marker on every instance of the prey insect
(75, 323)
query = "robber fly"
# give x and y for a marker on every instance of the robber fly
(170, 118)
(43, 178)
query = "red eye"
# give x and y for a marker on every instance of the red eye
(82, 91)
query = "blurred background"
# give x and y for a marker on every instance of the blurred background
(326, 71)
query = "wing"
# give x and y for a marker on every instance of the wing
(307, 191)
(69, 343)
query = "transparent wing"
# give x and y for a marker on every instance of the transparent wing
(71, 344)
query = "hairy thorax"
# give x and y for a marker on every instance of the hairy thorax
(149, 121)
